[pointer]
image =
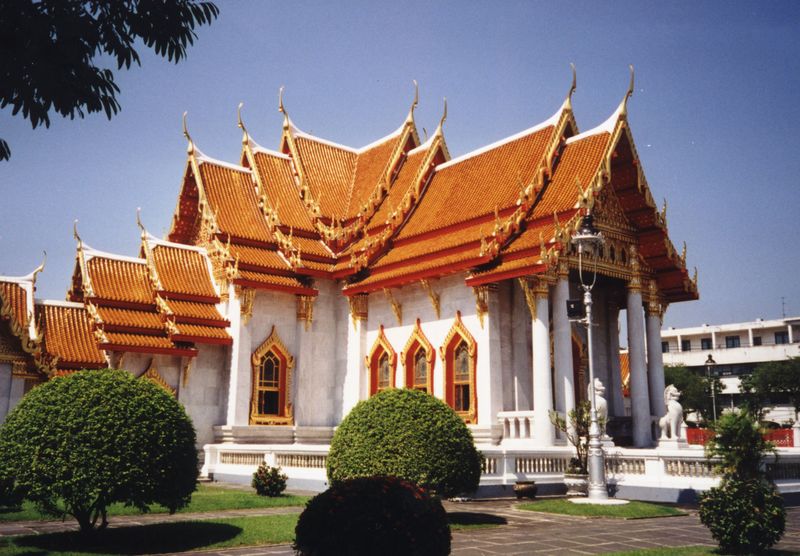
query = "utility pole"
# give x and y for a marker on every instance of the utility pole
(783, 306)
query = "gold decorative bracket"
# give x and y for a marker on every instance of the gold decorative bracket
(247, 297)
(397, 309)
(153, 375)
(482, 300)
(433, 296)
(305, 309)
(359, 307)
(530, 297)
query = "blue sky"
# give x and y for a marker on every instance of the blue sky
(714, 116)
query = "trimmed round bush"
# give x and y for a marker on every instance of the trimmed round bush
(407, 434)
(77, 444)
(373, 515)
(744, 516)
(269, 481)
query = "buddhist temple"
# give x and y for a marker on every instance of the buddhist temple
(297, 281)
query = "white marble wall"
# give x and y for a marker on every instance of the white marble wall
(5, 389)
(521, 351)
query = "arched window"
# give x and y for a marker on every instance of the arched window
(270, 403)
(418, 358)
(420, 371)
(459, 354)
(381, 364)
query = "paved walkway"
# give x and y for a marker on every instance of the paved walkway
(523, 532)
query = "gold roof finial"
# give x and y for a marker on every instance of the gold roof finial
(139, 221)
(240, 123)
(574, 83)
(444, 116)
(190, 148)
(75, 233)
(628, 94)
(282, 108)
(39, 268)
(414, 104)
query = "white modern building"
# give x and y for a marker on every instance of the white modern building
(736, 349)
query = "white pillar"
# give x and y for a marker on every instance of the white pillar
(356, 380)
(616, 399)
(543, 431)
(490, 368)
(562, 343)
(655, 359)
(521, 336)
(640, 403)
(239, 379)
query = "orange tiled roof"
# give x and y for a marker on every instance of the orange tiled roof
(625, 371)
(402, 183)
(258, 256)
(232, 198)
(496, 173)
(183, 271)
(202, 334)
(277, 177)
(67, 334)
(15, 298)
(120, 280)
(259, 278)
(328, 171)
(113, 317)
(371, 166)
(123, 339)
(193, 310)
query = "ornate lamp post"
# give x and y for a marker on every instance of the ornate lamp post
(587, 239)
(709, 365)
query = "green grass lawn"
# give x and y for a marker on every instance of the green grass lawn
(159, 538)
(632, 510)
(207, 498)
(185, 536)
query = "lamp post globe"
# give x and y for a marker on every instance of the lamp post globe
(587, 239)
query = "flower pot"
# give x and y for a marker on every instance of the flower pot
(525, 489)
(577, 484)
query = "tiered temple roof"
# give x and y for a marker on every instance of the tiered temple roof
(393, 212)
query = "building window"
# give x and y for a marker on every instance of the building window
(732, 342)
(664, 347)
(418, 357)
(461, 382)
(460, 357)
(782, 337)
(686, 345)
(272, 368)
(381, 364)
(756, 340)
(705, 343)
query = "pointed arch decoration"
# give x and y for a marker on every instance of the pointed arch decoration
(419, 359)
(459, 355)
(272, 364)
(154, 376)
(381, 364)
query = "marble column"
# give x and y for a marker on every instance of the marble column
(240, 377)
(562, 343)
(356, 378)
(543, 431)
(616, 401)
(655, 359)
(640, 402)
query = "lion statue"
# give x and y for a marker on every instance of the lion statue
(601, 405)
(671, 423)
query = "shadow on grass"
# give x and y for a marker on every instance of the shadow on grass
(474, 518)
(146, 539)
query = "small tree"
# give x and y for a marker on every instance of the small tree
(77, 444)
(407, 434)
(373, 515)
(770, 379)
(745, 514)
(269, 481)
(577, 433)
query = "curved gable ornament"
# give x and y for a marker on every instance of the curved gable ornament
(273, 344)
(155, 377)
(380, 347)
(415, 342)
(458, 332)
